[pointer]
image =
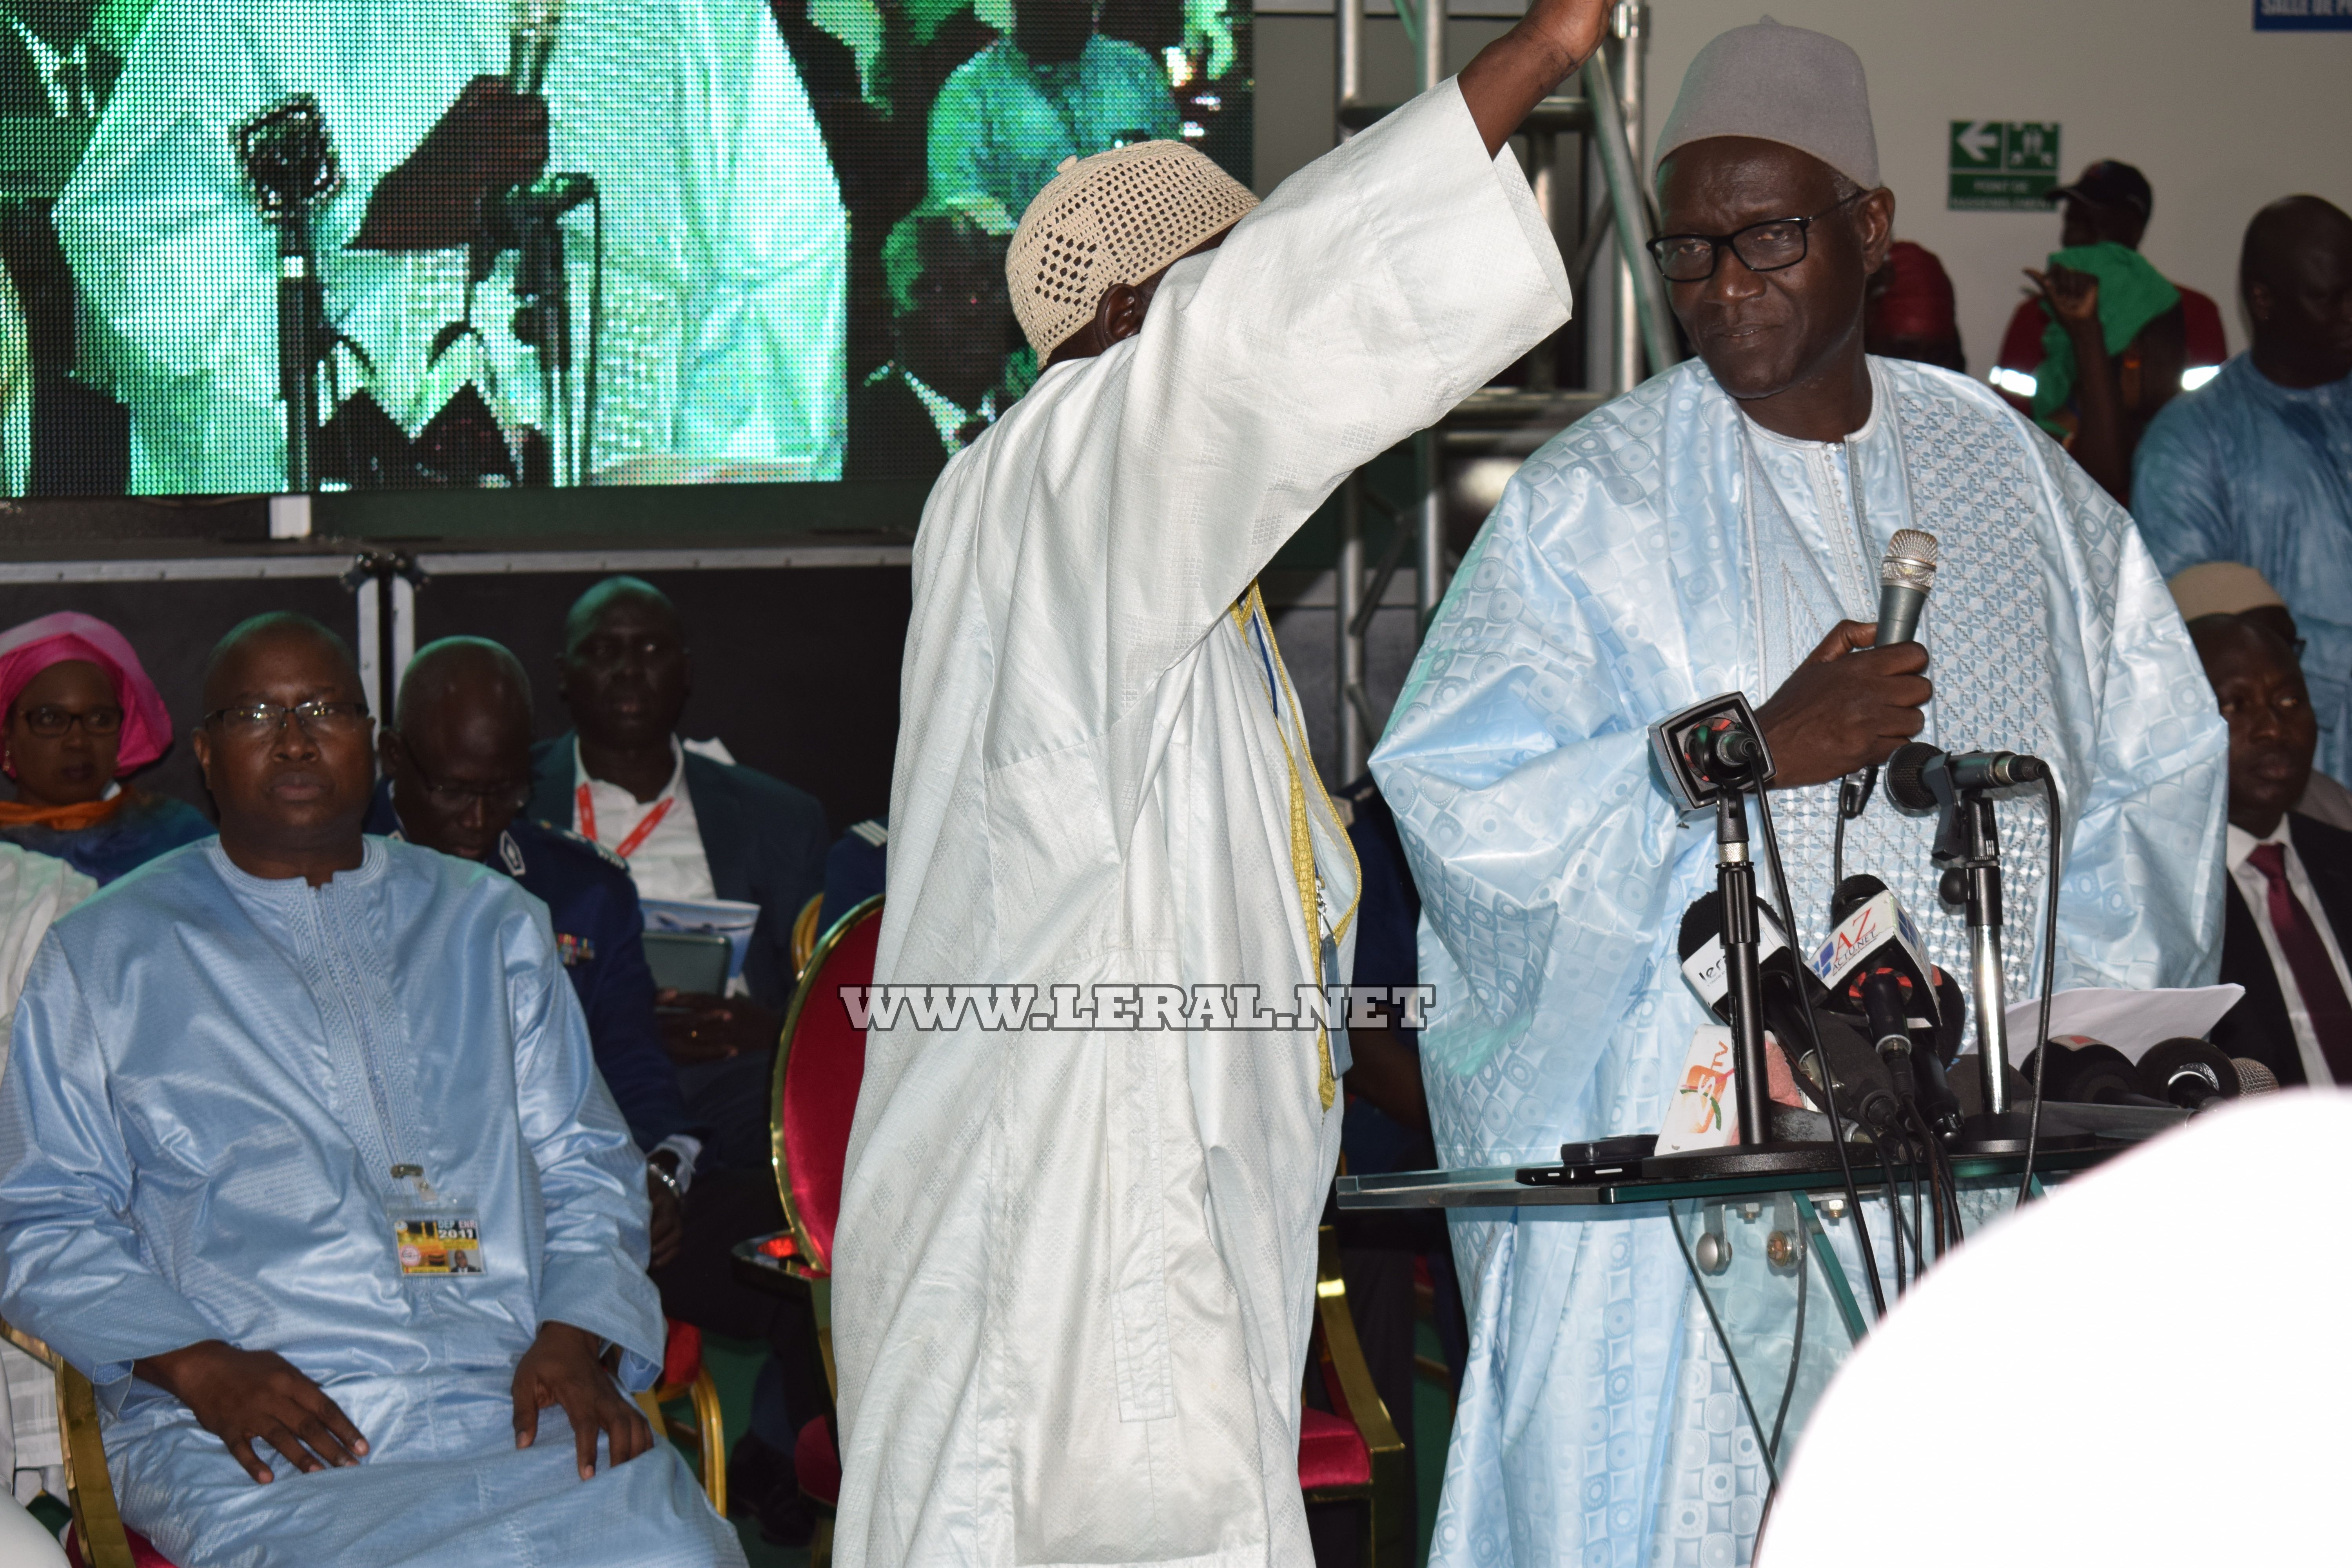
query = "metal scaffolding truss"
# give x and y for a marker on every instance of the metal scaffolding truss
(1605, 117)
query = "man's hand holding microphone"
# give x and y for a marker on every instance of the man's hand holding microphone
(1858, 695)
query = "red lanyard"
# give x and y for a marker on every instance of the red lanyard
(585, 809)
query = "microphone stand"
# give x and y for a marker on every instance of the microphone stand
(1713, 754)
(529, 220)
(1735, 882)
(300, 326)
(292, 167)
(1968, 841)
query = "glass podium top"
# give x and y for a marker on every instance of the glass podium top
(1771, 1249)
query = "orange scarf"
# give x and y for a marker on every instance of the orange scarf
(64, 818)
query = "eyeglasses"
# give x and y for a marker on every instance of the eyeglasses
(455, 798)
(512, 795)
(251, 720)
(51, 723)
(1767, 246)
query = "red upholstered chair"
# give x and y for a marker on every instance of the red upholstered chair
(819, 1066)
(1351, 1453)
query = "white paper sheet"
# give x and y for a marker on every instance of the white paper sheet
(2131, 1021)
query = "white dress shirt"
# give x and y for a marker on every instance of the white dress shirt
(2256, 888)
(670, 863)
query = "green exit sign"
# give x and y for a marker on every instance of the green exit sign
(2002, 166)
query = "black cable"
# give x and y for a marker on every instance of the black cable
(1853, 799)
(1952, 1195)
(1910, 1158)
(1772, 1470)
(1935, 1220)
(1936, 1195)
(1822, 1061)
(1917, 1153)
(1930, 1147)
(2049, 979)
(1797, 1345)
(1894, 1206)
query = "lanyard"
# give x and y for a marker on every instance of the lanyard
(584, 809)
(1250, 619)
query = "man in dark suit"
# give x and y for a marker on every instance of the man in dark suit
(690, 827)
(2290, 883)
(951, 325)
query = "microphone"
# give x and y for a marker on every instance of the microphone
(1876, 966)
(2192, 1075)
(1921, 778)
(1874, 931)
(531, 39)
(1710, 749)
(1904, 579)
(2085, 1071)
(1864, 1089)
(1886, 1004)
(287, 156)
(1701, 950)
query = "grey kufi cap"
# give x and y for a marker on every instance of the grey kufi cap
(1791, 85)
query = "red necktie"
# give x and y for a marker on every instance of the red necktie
(2306, 957)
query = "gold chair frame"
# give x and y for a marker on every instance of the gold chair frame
(97, 1523)
(805, 933)
(1388, 1543)
(707, 1433)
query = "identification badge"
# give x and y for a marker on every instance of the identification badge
(435, 1235)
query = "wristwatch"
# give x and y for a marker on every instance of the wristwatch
(662, 1174)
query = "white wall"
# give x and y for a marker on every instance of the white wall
(2222, 118)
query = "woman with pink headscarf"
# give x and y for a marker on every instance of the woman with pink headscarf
(77, 714)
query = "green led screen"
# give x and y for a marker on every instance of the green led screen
(482, 243)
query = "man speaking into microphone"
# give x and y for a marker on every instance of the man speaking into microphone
(723, 306)
(1722, 527)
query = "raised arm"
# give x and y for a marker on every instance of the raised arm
(1518, 71)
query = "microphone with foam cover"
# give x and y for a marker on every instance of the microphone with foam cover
(2192, 1074)
(1904, 579)
(1863, 1087)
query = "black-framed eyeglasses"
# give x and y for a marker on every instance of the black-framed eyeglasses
(50, 723)
(454, 798)
(1767, 246)
(250, 721)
